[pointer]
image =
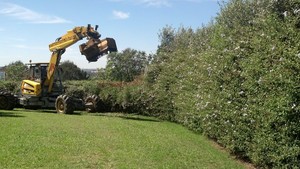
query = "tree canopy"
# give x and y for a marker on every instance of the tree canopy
(16, 71)
(71, 71)
(126, 65)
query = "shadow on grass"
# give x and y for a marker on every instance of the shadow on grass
(9, 114)
(138, 118)
(128, 117)
(53, 111)
(27, 110)
(48, 111)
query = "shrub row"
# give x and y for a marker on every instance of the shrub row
(115, 96)
(236, 80)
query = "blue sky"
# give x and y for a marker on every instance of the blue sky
(27, 27)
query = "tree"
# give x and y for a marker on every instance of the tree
(100, 74)
(16, 71)
(70, 71)
(125, 66)
(167, 37)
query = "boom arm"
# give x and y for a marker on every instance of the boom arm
(93, 49)
(72, 36)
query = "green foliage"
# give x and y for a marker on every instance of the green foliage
(236, 80)
(115, 96)
(12, 86)
(127, 65)
(255, 78)
(99, 75)
(84, 88)
(16, 71)
(70, 71)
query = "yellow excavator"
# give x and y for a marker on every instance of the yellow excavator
(44, 88)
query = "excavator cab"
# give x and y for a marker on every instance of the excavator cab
(36, 78)
(34, 91)
(38, 71)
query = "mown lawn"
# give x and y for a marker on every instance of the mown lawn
(43, 139)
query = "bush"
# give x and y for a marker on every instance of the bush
(114, 96)
(12, 86)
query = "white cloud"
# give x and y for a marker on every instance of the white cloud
(155, 3)
(28, 15)
(21, 46)
(160, 3)
(200, 1)
(168, 3)
(120, 15)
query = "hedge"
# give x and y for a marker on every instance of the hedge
(236, 80)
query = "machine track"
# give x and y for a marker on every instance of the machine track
(7, 100)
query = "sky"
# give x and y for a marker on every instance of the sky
(27, 27)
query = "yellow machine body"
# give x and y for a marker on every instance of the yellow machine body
(29, 87)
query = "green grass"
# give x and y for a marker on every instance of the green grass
(37, 139)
